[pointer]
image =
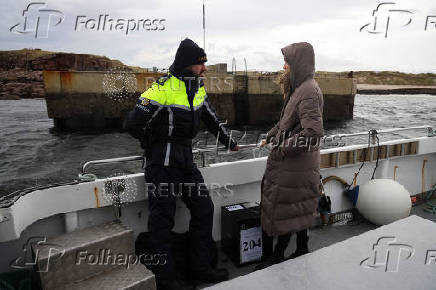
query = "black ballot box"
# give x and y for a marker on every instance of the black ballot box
(242, 237)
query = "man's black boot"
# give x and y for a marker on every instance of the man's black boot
(271, 260)
(211, 275)
(173, 285)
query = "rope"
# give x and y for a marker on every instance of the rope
(363, 162)
(87, 177)
(334, 177)
(430, 206)
(395, 172)
(378, 155)
(430, 193)
(423, 176)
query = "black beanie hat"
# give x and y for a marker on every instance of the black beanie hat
(187, 54)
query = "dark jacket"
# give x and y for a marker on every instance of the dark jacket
(167, 117)
(290, 187)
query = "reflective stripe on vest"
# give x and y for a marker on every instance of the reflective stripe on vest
(173, 93)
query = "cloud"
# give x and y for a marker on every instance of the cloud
(250, 29)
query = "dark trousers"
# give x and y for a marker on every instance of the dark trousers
(283, 241)
(163, 186)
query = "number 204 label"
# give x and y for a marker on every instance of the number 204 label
(251, 245)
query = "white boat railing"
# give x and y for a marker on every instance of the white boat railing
(215, 148)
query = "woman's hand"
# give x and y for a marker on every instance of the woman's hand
(262, 143)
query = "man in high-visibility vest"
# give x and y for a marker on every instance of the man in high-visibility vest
(165, 119)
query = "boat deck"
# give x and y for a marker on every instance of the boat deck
(321, 237)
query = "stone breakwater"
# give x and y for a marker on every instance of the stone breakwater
(17, 83)
(21, 71)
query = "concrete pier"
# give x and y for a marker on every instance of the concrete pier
(94, 99)
(400, 255)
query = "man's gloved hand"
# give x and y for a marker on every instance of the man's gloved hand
(236, 148)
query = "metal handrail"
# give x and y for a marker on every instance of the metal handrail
(110, 161)
(222, 148)
(137, 158)
(216, 149)
(427, 127)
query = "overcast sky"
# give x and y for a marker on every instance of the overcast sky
(254, 30)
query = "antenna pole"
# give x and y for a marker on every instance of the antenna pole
(204, 28)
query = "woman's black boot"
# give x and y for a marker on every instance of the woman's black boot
(278, 254)
(302, 245)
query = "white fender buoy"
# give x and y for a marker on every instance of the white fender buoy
(383, 201)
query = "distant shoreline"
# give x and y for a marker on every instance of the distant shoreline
(362, 89)
(10, 98)
(369, 89)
